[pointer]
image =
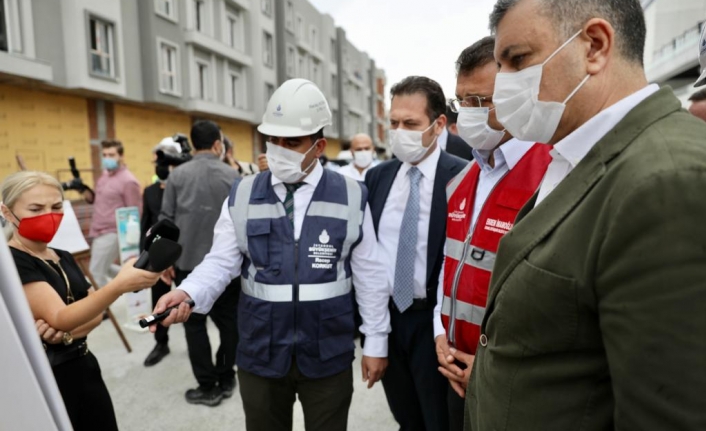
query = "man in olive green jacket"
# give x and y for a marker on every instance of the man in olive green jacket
(596, 315)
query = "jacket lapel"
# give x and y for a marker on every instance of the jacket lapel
(383, 187)
(533, 225)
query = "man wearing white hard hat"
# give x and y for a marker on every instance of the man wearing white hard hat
(301, 236)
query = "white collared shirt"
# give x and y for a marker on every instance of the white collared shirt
(352, 172)
(569, 152)
(224, 262)
(391, 221)
(506, 157)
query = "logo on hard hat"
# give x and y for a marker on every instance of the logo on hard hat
(278, 112)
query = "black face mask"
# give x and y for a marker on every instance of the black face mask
(162, 172)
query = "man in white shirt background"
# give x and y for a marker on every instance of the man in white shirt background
(363, 153)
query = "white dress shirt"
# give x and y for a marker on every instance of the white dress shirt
(443, 139)
(568, 152)
(224, 262)
(352, 172)
(390, 221)
(506, 158)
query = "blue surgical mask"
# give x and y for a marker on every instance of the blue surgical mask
(109, 164)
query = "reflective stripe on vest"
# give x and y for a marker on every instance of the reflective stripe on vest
(307, 292)
(457, 180)
(238, 215)
(477, 258)
(464, 311)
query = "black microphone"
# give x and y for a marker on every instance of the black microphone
(163, 253)
(74, 170)
(154, 318)
(161, 229)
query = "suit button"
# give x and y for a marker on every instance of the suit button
(483, 340)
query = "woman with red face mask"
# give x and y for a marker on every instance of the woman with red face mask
(59, 295)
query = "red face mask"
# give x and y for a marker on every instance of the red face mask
(41, 228)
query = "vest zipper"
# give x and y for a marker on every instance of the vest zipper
(295, 292)
(454, 288)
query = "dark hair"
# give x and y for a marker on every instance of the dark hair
(626, 17)
(318, 135)
(436, 103)
(475, 56)
(227, 143)
(113, 143)
(699, 96)
(452, 117)
(204, 134)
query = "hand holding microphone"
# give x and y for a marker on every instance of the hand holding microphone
(178, 302)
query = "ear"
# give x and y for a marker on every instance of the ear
(6, 214)
(320, 147)
(601, 38)
(440, 124)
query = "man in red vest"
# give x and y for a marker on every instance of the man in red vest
(483, 201)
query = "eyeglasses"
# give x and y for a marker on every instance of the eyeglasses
(470, 102)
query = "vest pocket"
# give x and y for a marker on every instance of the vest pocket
(258, 231)
(337, 327)
(255, 327)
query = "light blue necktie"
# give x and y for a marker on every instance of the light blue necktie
(403, 291)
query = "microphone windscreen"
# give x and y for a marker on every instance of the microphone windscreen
(163, 254)
(161, 229)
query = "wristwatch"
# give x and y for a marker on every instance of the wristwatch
(67, 339)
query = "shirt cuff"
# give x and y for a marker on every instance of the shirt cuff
(194, 293)
(438, 327)
(375, 346)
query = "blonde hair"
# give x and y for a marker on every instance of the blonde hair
(17, 184)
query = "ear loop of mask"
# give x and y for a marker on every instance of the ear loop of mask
(315, 159)
(558, 50)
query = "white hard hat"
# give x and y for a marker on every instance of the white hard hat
(297, 108)
(702, 59)
(168, 145)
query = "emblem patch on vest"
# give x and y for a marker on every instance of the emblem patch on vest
(322, 253)
(459, 215)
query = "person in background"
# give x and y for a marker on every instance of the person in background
(61, 300)
(192, 200)
(243, 168)
(698, 104)
(363, 156)
(300, 235)
(506, 170)
(408, 205)
(116, 188)
(262, 162)
(451, 124)
(451, 143)
(595, 313)
(151, 207)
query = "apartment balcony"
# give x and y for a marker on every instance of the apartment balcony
(676, 57)
(19, 65)
(208, 43)
(213, 108)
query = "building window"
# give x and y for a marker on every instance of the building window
(289, 16)
(166, 9)
(290, 61)
(236, 89)
(269, 91)
(4, 28)
(333, 50)
(266, 7)
(268, 49)
(334, 121)
(168, 68)
(315, 72)
(235, 29)
(102, 52)
(202, 81)
(200, 15)
(314, 39)
(300, 28)
(301, 67)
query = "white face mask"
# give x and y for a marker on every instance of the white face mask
(473, 128)
(407, 145)
(518, 107)
(287, 164)
(363, 159)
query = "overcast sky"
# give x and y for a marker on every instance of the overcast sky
(412, 37)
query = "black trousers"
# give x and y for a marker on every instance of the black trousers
(456, 408)
(269, 403)
(225, 316)
(415, 389)
(85, 396)
(158, 290)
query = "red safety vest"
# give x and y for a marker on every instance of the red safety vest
(466, 286)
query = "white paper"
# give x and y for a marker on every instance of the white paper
(69, 237)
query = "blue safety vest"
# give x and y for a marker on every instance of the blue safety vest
(296, 295)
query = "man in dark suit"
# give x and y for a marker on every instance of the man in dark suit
(449, 140)
(408, 203)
